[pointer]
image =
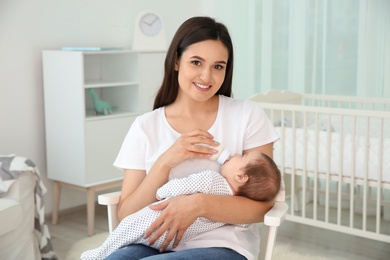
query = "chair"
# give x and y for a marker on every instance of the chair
(17, 239)
(272, 220)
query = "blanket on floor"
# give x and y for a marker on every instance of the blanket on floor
(11, 166)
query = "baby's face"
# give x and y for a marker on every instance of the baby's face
(235, 164)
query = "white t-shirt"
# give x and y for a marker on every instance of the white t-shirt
(239, 125)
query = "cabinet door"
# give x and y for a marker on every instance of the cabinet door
(151, 75)
(103, 141)
(63, 98)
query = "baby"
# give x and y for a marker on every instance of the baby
(254, 175)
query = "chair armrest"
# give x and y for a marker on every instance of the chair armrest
(111, 200)
(275, 216)
(272, 220)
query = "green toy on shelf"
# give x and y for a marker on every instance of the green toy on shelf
(101, 107)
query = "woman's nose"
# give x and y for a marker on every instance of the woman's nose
(205, 75)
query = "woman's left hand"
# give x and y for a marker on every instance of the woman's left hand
(177, 215)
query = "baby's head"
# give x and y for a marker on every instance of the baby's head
(253, 175)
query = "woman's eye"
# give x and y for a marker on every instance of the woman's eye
(218, 67)
(196, 62)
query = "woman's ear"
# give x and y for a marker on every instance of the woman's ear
(241, 178)
(176, 63)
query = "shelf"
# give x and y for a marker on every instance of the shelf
(90, 115)
(102, 68)
(108, 84)
(123, 99)
(106, 52)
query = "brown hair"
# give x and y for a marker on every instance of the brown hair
(193, 30)
(264, 180)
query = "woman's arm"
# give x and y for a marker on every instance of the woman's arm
(232, 209)
(267, 149)
(180, 212)
(139, 189)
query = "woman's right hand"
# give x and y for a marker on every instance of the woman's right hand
(177, 214)
(187, 146)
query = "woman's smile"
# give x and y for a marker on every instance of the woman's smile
(201, 86)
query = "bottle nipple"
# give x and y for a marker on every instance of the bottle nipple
(221, 156)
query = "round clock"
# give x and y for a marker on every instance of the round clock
(150, 24)
(149, 32)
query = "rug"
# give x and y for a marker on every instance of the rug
(281, 252)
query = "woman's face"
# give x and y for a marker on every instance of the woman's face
(201, 69)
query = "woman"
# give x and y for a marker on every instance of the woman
(194, 106)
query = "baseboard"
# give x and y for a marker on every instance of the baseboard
(63, 213)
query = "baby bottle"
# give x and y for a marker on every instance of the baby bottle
(222, 155)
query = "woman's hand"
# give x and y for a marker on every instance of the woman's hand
(187, 147)
(177, 215)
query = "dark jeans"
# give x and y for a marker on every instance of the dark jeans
(135, 252)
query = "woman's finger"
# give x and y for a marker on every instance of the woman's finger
(155, 226)
(178, 238)
(198, 133)
(159, 232)
(171, 235)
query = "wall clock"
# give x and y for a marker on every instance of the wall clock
(149, 32)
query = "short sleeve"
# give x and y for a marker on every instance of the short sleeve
(259, 130)
(132, 152)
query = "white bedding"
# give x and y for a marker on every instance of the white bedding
(330, 141)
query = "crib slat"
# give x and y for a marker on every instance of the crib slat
(316, 166)
(352, 181)
(340, 172)
(366, 160)
(283, 158)
(294, 155)
(328, 169)
(379, 177)
(304, 157)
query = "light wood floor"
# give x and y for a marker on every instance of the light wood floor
(304, 239)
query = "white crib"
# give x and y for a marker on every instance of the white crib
(334, 152)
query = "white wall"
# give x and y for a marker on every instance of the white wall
(28, 27)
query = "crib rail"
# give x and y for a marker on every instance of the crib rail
(335, 157)
(289, 97)
(362, 103)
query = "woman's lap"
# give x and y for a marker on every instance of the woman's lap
(134, 252)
